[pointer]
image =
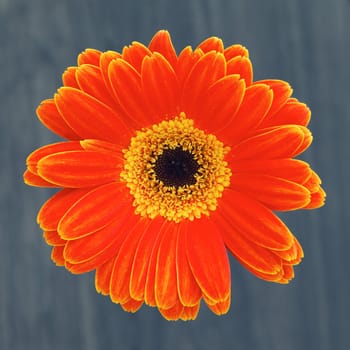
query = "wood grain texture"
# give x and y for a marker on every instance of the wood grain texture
(304, 42)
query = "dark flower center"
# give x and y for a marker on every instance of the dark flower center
(176, 167)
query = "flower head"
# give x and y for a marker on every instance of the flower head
(169, 161)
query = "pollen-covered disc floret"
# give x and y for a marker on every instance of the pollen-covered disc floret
(175, 170)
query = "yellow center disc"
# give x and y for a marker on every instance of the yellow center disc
(175, 170)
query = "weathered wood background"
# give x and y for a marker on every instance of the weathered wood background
(305, 42)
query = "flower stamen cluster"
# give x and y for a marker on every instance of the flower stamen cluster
(155, 196)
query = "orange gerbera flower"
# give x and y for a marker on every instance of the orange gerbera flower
(170, 160)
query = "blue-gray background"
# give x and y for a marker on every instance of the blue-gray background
(305, 42)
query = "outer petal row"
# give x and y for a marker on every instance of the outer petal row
(77, 169)
(257, 238)
(81, 219)
(286, 141)
(255, 221)
(49, 115)
(111, 87)
(274, 192)
(68, 164)
(169, 267)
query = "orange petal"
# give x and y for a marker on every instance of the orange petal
(142, 258)
(242, 66)
(211, 44)
(257, 257)
(120, 279)
(90, 80)
(95, 210)
(78, 169)
(105, 59)
(290, 113)
(110, 251)
(69, 79)
(103, 276)
(98, 260)
(255, 222)
(101, 146)
(126, 84)
(57, 255)
(135, 54)
(234, 51)
(89, 56)
(288, 272)
(190, 312)
(53, 209)
(173, 313)
(48, 114)
(160, 87)
(208, 259)
(274, 192)
(306, 141)
(161, 42)
(150, 298)
(317, 199)
(131, 305)
(313, 182)
(188, 289)
(90, 118)
(293, 255)
(206, 71)
(221, 103)
(272, 143)
(86, 248)
(42, 152)
(52, 238)
(221, 307)
(276, 276)
(34, 180)
(281, 93)
(165, 278)
(255, 104)
(187, 59)
(288, 169)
